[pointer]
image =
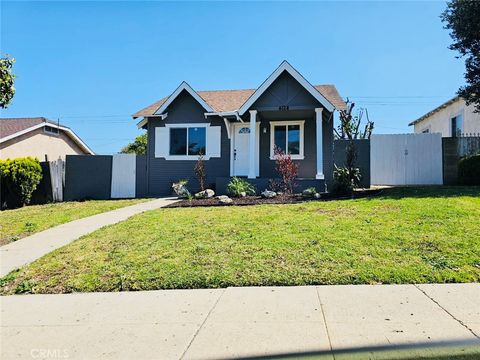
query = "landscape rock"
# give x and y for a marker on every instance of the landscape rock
(309, 193)
(225, 200)
(268, 194)
(317, 196)
(243, 194)
(205, 194)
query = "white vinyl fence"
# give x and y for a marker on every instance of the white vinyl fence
(406, 159)
(123, 176)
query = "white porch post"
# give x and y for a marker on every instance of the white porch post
(319, 133)
(252, 145)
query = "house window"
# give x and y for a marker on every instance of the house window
(188, 141)
(287, 136)
(456, 125)
(425, 131)
(51, 130)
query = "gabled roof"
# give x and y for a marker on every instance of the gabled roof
(285, 66)
(233, 100)
(11, 128)
(437, 109)
(183, 86)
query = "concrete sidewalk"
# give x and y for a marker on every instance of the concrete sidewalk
(334, 322)
(26, 250)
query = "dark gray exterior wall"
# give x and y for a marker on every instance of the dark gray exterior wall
(285, 91)
(363, 157)
(79, 180)
(162, 173)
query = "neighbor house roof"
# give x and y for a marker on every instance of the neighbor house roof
(230, 100)
(437, 109)
(11, 128)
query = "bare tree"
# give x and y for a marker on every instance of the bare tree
(350, 124)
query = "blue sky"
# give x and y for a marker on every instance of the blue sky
(93, 64)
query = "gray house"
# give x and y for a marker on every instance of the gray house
(237, 131)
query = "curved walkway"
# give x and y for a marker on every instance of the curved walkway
(26, 250)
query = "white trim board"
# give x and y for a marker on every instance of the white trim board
(232, 146)
(68, 131)
(285, 66)
(301, 123)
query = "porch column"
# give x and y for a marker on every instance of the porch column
(252, 145)
(319, 134)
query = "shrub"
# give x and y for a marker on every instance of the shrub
(237, 186)
(469, 170)
(200, 171)
(21, 177)
(287, 170)
(345, 179)
(180, 189)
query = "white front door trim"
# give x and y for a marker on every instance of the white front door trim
(235, 127)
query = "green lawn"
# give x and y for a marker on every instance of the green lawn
(410, 235)
(18, 223)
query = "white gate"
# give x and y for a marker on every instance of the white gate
(123, 176)
(406, 159)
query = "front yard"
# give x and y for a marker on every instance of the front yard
(18, 223)
(410, 235)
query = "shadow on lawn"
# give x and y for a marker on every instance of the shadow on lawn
(452, 350)
(397, 193)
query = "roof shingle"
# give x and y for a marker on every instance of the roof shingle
(230, 100)
(10, 126)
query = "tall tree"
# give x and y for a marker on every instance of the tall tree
(462, 18)
(7, 90)
(138, 146)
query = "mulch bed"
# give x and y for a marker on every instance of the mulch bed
(280, 199)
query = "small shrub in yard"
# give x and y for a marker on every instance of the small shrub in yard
(180, 189)
(469, 170)
(237, 186)
(345, 180)
(309, 192)
(21, 177)
(287, 170)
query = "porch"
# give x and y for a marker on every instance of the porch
(305, 133)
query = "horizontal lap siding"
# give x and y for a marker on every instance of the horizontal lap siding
(162, 173)
(286, 91)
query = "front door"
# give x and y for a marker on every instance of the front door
(240, 151)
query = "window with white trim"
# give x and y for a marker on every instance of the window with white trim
(187, 141)
(287, 136)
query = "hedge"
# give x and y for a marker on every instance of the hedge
(20, 177)
(469, 170)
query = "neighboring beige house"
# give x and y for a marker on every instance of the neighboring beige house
(38, 137)
(451, 119)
